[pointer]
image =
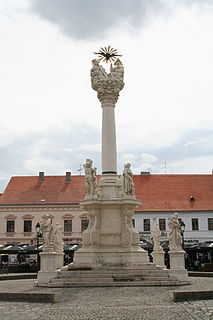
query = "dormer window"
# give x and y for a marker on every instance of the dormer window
(191, 198)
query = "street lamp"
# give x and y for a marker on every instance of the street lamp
(182, 230)
(38, 230)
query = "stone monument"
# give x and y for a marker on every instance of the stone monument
(110, 254)
(158, 253)
(177, 254)
(52, 257)
(110, 239)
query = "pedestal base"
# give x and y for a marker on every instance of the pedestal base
(110, 257)
(177, 260)
(50, 263)
(177, 266)
(158, 258)
(110, 239)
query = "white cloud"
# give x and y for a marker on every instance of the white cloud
(192, 165)
(148, 157)
(128, 157)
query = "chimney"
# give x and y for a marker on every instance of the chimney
(145, 173)
(41, 177)
(68, 177)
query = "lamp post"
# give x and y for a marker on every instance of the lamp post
(182, 230)
(38, 230)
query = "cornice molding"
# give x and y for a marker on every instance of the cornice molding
(39, 209)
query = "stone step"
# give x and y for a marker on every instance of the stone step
(83, 274)
(141, 266)
(84, 280)
(141, 278)
(116, 278)
(145, 266)
(62, 283)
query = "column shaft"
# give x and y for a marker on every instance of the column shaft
(109, 151)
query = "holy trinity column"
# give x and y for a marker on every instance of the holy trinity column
(110, 239)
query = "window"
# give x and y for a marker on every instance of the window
(27, 226)
(162, 224)
(195, 225)
(146, 224)
(67, 225)
(133, 223)
(10, 225)
(84, 224)
(210, 223)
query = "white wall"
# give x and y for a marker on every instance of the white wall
(203, 234)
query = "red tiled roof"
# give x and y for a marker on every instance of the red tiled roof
(54, 189)
(171, 192)
(157, 192)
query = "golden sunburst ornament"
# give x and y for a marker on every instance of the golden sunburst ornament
(107, 54)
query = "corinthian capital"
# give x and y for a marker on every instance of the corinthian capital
(107, 85)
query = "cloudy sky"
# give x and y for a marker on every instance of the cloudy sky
(51, 118)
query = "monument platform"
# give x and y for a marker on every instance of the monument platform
(147, 274)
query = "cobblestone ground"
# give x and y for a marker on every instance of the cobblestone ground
(108, 303)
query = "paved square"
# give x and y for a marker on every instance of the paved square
(136, 303)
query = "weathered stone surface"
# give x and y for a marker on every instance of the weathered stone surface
(29, 296)
(192, 295)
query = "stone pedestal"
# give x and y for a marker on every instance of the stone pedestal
(110, 239)
(158, 258)
(177, 260)
(50, 263)
(177, 265)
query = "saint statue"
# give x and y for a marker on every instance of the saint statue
(57, 239)
(128, 184)
(90, 178)
(47, 231)
(117, 72)
(156, 239)
(174, 233)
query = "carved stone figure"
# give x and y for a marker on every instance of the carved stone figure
(174, 234)
(117, 73)
(128, 184)
(57, 238)
(156, 239)
(97, 73)
(47, 232)
(90, 178)
(107, 85)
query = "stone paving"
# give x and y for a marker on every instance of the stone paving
(148, 303)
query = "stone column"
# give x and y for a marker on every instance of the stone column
(108, 87)
(110, 239)
(109, 151)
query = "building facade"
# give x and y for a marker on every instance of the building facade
(26, 199)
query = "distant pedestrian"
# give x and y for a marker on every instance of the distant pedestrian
(197, 265)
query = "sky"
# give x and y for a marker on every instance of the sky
(50, 116)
